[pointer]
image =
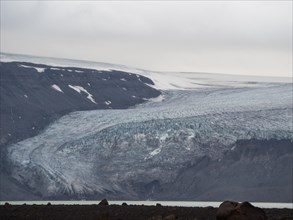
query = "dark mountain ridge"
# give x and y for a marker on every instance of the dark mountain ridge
(34, 95)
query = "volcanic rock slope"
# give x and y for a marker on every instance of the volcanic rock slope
(216, 141)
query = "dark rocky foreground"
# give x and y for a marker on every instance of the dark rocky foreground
(140, 212)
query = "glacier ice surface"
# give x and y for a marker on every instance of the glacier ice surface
(94, 151)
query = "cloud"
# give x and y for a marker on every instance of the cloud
(232, 37)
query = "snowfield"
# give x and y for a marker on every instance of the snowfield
(162, 80)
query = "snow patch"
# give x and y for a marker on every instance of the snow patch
(57, 88)
(25, 96)
(108, 102)
(39, 69)
(79, 71)
(123, 79)
(80, 89)
(54, 68)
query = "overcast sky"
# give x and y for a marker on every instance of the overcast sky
(235, 37)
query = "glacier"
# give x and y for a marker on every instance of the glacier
(116, 153)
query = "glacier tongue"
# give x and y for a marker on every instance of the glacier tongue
(111, 150)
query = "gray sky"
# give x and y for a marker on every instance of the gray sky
(235, 37)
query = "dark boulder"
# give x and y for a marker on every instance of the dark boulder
(104, 202)
(239, 211)
(225, 209)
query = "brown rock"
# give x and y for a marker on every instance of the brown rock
(225, 209)
(239, 211)
(251, 212)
